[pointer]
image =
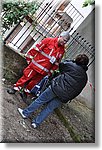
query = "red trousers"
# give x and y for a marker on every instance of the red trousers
(31, 77)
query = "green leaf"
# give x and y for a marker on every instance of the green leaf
(14, 11)
(88, 2)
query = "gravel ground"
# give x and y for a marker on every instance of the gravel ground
(15, 129)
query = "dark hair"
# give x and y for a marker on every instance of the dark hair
(82, 59)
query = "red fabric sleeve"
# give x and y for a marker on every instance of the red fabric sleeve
(42, 44)
(32, 53)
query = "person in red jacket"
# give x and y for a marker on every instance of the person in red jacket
(43, 59)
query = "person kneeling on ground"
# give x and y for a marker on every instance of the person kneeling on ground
(63, 88)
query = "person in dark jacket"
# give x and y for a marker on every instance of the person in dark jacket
(63, 88)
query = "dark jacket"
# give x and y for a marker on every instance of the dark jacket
(70, 82)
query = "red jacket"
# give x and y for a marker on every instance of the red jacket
(46, 56)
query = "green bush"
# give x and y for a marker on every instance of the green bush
(12, 11)
(88, 2)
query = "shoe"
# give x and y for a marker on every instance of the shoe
(34, 125)
(21, 113)
(11, 91)
(23, 96)
(17, 88)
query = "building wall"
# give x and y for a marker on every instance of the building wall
(86, 29)
(85, 11)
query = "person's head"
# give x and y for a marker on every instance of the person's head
(82, 59)
(63, 38)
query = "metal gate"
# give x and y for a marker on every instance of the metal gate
(79, 45)
(50, 20)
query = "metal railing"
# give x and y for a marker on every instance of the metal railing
(46, 24)
(79, 45)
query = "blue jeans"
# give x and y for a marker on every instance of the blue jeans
(46, 97)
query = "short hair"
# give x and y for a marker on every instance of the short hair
(82, 59)
(65, 34)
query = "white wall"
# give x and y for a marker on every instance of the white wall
(86, 29)
(85, 11)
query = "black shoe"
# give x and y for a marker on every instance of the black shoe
(11, 91)
(23, 96)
